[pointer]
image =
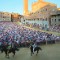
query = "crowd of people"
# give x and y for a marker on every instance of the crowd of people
(55, 28)
(11, 31)
(51, 28)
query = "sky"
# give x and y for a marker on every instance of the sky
(16, 6)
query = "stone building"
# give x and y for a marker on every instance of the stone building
(5, 16)
(41, 14)
(55, 18)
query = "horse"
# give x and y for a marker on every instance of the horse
(37, 48)
(4, 49)
(7, 51)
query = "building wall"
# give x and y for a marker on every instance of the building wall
(5, 16)
(42, 16)
(55, 20)
(37, 5)
(41, 23)
(15, 17)
(45, 12)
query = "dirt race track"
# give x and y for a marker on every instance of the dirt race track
(49, 52)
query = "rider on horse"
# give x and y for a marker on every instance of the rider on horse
(34, 46)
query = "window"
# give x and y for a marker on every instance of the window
(38, 12)
(55, 24)
(38, 18)
(58, 19)
(34, 19)
(55, 20)
(46, 9)
(24, 20)
(52, 19)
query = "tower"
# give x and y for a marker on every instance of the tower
(40, 0)
(25, 7)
